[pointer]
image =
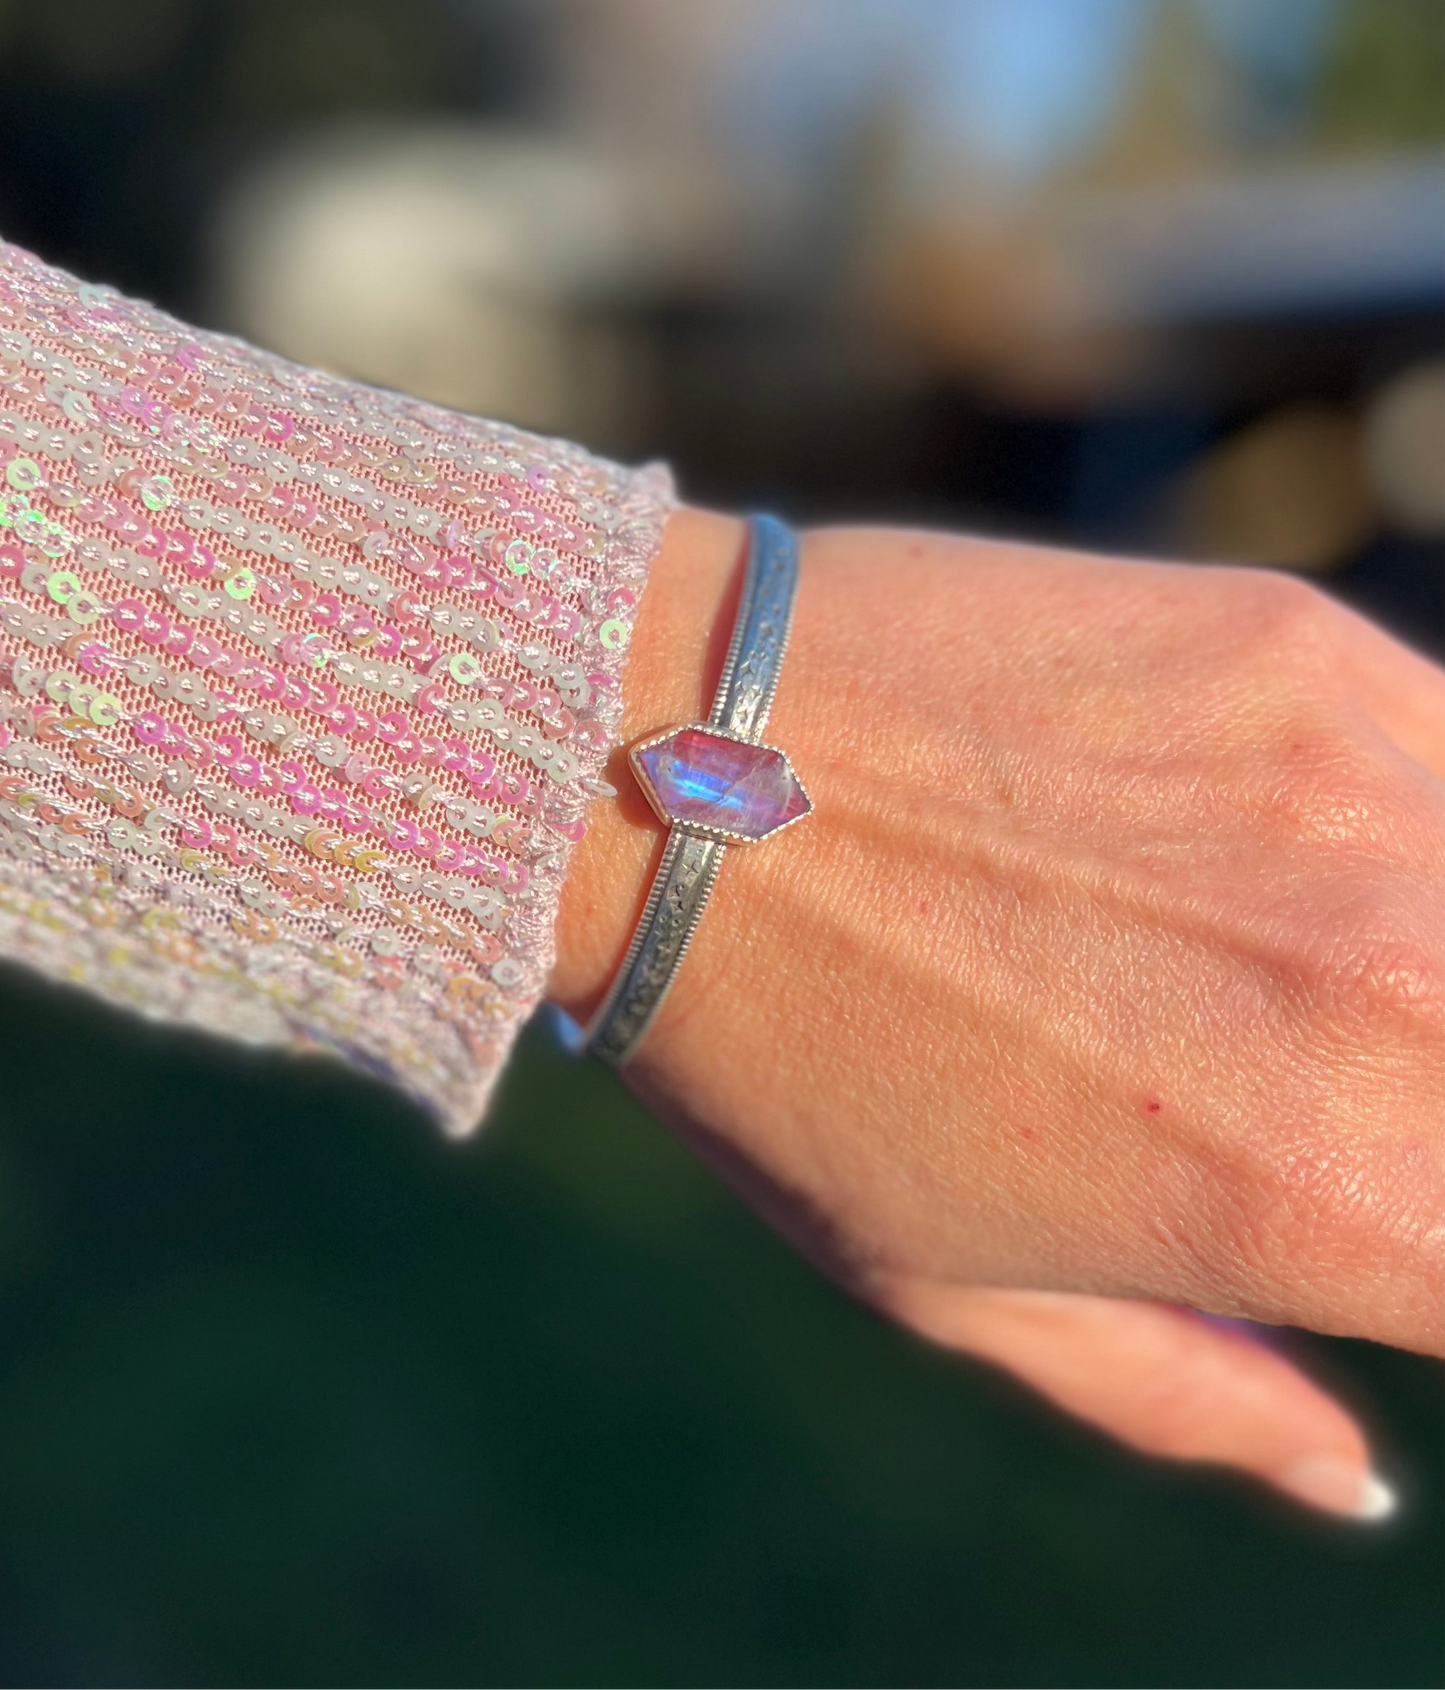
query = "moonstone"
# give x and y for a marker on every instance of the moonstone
(694, 776)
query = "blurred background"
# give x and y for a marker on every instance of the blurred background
(292, 1392)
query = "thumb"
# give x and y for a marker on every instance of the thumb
(1162, 1379)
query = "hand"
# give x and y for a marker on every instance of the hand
(1105, 978)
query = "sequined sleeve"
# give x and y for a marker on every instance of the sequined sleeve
(304, 688)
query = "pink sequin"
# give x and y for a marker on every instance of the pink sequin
(221, 577)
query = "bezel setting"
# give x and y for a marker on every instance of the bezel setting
(706, 830)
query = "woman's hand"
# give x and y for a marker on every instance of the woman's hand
(1106, 976)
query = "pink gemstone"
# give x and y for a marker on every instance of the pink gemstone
(695, 776)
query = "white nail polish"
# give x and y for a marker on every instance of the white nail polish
(1339, 1487)
(1377, 1501)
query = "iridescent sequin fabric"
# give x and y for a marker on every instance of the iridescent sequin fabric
(304, 688)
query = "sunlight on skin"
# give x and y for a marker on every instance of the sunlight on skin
(1093, 991)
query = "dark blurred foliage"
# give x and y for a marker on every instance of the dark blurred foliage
(292, 1392)
(121, 121)
(1383, 73)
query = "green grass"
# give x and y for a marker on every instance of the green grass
(293, 1391)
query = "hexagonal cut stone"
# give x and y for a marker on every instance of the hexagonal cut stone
(712, 781)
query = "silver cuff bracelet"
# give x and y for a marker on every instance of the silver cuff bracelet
(716, 784)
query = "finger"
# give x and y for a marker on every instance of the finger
(1165, 1381)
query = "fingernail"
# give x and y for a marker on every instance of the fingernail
(1339, 1487)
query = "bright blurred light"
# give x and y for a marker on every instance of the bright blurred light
(1036, 195)
(1289, 490)
(474, 268)
(1405, 448)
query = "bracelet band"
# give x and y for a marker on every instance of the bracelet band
(716, 784)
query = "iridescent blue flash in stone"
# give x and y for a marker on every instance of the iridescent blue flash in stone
(704, 779)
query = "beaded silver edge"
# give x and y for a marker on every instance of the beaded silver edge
(701, 830)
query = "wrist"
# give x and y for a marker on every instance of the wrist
(677, 648)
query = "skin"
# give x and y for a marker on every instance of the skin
(1103, 985)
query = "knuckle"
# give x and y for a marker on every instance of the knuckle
(1372, 977)
(1322, 771)
(1329, 786)
(1291, 619)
